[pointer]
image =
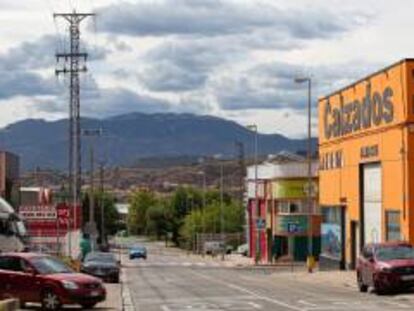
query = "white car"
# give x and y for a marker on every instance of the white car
(243, 249)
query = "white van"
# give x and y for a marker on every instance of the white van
(12, 229)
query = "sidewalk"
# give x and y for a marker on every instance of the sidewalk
(331, 278)
(113, 299)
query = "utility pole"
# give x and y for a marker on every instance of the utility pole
(242, 169)
(224, 246)
(101, 177)
(72, 67)
(91, 225)
(258, 254)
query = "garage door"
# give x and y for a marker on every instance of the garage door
(372, 203)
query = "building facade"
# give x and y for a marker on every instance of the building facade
(51, 225)
(366, 149)
(9, 177)
(278, 217)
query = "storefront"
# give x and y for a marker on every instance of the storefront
(291, 231)
(278, 224)
(366, 150)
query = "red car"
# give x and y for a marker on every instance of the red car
(44, 279)
(386, 266)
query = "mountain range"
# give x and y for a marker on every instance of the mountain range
(128, 138)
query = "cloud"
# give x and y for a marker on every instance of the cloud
(108, 102)
(217, 18)
(272, 86)
(40, 54)
(184, 65)
(18, 83)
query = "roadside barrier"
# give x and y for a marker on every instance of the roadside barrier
(9, 305)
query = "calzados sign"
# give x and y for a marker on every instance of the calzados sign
(373, 109)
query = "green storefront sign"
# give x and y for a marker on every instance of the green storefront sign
(292, 224)
(284, 189)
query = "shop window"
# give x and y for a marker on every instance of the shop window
(393, 226)
(331, 215)
(295, 207)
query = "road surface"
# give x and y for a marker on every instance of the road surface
(170, 281)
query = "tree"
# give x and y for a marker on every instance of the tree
(156, 220)
(140, 202)
(209, 220)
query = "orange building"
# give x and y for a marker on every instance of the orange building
(366, 149)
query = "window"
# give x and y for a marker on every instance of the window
(5, 263)
(393, 226)
(10, 263)
(294, 207)
(332, 214)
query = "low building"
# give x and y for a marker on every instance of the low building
(9, 177)
(51, 225)
(366, 147)
(279, 218)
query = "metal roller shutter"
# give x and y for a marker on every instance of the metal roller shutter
(372, 203)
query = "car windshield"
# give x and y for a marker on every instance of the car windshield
(395, 252)
(50, 265)
(100, 257)
(138, 248)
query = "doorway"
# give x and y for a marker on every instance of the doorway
(355, 245)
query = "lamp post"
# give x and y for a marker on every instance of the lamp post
(257, 256)
(91, 225)
(203, 206)
(310, 259)
(222, 237)
(222, 234)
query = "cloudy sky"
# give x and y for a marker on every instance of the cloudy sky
(230, 58)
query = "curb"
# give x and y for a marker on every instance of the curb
(9, 305)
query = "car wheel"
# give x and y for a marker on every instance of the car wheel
(361, 286)
(88, 305)
(50, 301)
(379, 289)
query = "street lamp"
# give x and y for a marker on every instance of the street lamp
(310, 259)
(253, 128)
(204, 186)
(222, 234)
(91, 226)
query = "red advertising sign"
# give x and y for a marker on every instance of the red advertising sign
(50, 218)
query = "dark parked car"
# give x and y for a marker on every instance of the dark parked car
(386, 266)
(45, 279)
(137, 252)
(102, 265)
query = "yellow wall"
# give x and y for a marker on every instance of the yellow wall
(395, 141)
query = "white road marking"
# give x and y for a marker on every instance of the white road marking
(307, 303)
(397, 304)
(229, 305)
(255, 305)
(247, 291)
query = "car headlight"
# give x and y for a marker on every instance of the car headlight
(70, 285)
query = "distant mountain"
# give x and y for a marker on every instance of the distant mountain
(134, 136)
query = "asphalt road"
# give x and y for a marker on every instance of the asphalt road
(171, 281)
